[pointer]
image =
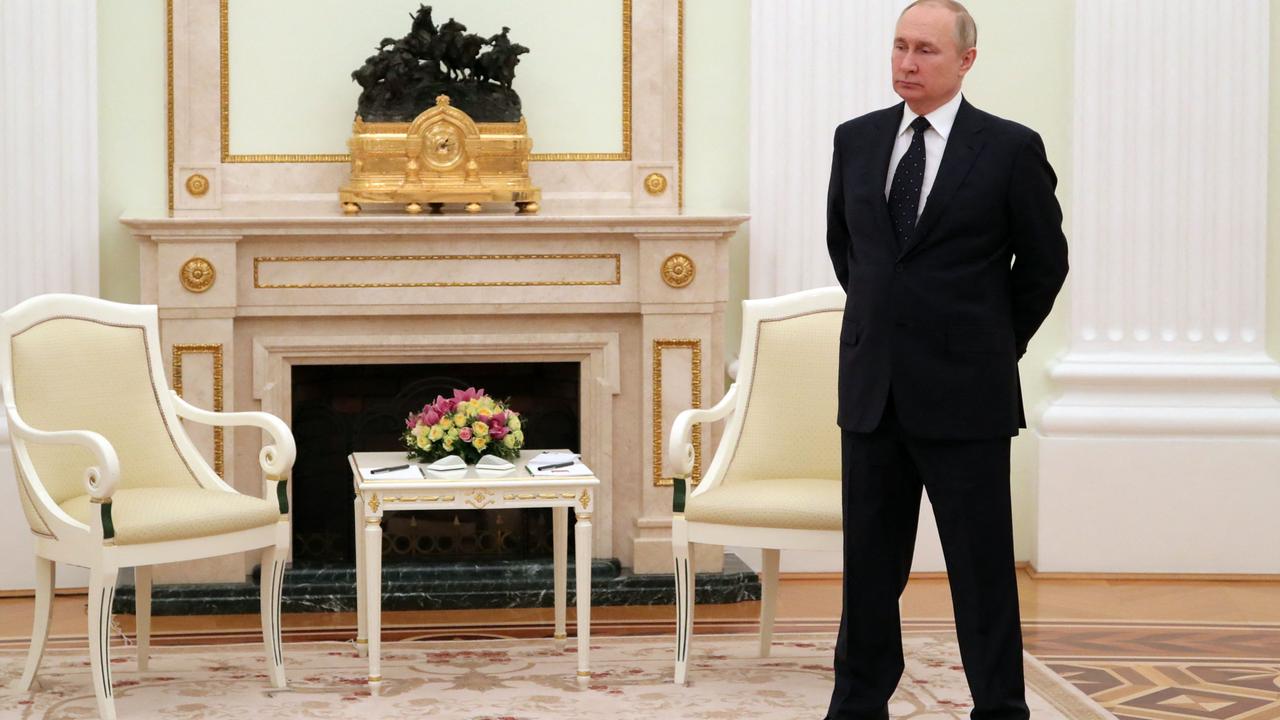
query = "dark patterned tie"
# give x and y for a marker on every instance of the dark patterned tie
(908, 179)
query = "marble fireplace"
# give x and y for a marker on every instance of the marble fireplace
(634, 298)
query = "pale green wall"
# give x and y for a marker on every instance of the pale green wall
(131, 134)
(716, 83)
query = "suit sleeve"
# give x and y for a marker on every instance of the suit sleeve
(837, 229)
(1039, 247)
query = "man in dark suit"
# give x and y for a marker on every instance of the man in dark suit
(945, 233)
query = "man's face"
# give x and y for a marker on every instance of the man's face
(928, 66)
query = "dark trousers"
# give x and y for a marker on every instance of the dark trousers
(968, 485)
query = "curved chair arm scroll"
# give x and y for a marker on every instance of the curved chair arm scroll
(100, 480)
(276, 460)
(680, 447)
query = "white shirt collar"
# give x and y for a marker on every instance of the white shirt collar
(940, 120)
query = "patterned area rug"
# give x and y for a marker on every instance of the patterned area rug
(513, 680)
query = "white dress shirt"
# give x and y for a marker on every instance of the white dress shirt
(935, 142)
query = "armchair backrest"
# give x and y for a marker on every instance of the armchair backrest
(69, 362)
(784, 425)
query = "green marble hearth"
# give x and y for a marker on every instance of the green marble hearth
(452, 586)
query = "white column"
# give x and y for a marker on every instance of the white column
(1161, 453)
(48, 189)
(814, 64)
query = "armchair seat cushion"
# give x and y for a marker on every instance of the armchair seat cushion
(789, 504)
(160, 514)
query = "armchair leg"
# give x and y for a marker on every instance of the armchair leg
(46, 571)
(102, 588)
(768, 597)
(272, 579)
(142, 601)
(682, 550)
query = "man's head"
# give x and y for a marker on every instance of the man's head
(934, 45)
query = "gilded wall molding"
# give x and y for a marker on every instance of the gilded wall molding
(214, 349)
(615, 280)
(695, 392)
(225, 107)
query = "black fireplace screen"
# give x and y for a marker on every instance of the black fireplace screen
(340, 409)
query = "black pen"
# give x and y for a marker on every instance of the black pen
(556, 465)
(388, 469)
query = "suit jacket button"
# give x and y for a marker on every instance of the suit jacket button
(899, 267)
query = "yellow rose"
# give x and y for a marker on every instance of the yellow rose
(452, 433)
(513, 421)
(485, 412)
(479, 428)
(424, 443)
(448, 444)
(509, 440)
(459, 419)
(519, 436)
(446, 423)
(436, 433)
(480, 442)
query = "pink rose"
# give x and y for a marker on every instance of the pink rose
(430, 418)
(497, 421)
(465, 434)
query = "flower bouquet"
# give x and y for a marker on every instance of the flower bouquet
(469, 425)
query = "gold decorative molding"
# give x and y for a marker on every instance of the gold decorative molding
(197, 185)
(655, 183)
(168, 105)
(419, 498)
(678, 270)
(537, 496)
(480, 498)
(225, 108)
(680, 104)
(197, 275)
(585, 499)
(615, 280)
(695, 397)
(214, 349)
(374, 503)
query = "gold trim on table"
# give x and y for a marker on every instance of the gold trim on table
(225, 107)
(615, 280)
(214, 349)
(695, 392)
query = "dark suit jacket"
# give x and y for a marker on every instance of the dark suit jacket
(945, 320)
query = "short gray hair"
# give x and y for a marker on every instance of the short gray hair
(966, 28)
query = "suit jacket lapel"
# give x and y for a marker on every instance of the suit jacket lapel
(963, 147)
(879, 149)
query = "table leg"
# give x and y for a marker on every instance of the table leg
(362, 626)
(560, 544)
(373, 594)
(582, 557)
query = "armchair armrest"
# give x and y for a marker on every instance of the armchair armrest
(276, 460)
(100, 480)
(680, 447)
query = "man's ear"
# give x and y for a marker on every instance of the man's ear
(967, 60)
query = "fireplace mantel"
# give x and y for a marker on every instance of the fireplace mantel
(637, 297)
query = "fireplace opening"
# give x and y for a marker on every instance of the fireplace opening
(340, 409)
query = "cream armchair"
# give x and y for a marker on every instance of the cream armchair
(774, 482)
(108, 478)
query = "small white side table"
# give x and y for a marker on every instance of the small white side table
(470, 490)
